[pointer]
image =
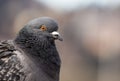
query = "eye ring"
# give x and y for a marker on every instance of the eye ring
(43, 28)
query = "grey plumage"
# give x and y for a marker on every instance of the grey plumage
(32, 55)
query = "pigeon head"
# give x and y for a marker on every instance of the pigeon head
(44, 23)
(45, 26)
(41, 30)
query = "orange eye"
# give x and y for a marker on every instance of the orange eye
(43, 28)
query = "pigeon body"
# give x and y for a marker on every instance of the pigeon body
(32, 55)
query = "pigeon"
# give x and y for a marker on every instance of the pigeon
(32, 55)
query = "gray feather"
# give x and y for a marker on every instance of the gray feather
(32, 55)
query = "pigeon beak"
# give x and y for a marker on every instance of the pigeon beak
(56, 35)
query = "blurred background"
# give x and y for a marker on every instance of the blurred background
(90, 28)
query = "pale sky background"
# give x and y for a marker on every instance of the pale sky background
(73, 4)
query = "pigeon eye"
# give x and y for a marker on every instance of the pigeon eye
(43, 28)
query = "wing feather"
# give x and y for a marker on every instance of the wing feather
(10, 65)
